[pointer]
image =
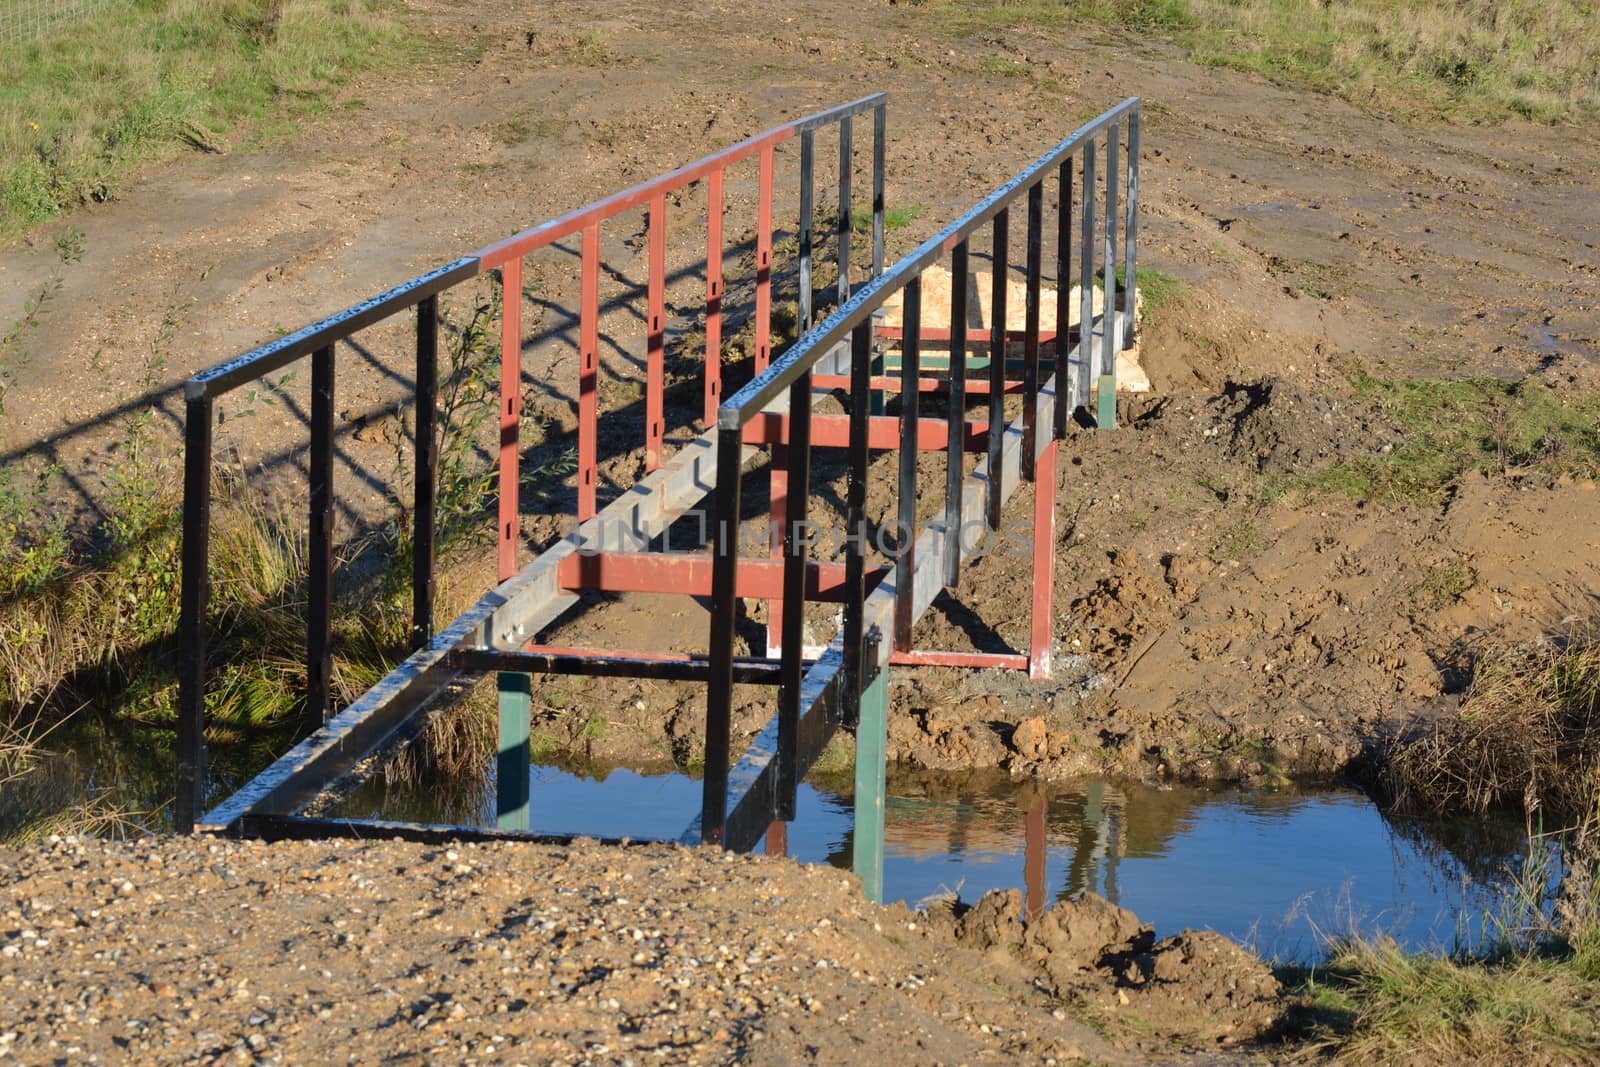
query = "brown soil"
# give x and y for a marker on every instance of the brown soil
(174, 950)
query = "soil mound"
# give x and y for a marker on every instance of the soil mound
(1273, 425)
(1194, 986)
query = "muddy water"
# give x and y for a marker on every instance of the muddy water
(1278, 870)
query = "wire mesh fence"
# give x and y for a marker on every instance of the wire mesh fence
(23, 20)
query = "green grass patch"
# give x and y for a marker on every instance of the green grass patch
(1159, 288)
(88, 100)
(1443, 585)
(1525, 992)
(1455, 427)
(894, 218)
(969, 16)
(1467, 61)
(1001, 67)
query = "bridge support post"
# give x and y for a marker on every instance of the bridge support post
(872, 738)
(1041, 626)
(1106, 400)
(513, 766)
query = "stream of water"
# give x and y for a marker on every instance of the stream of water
(1279, 870)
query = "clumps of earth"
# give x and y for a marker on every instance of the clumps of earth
(1275, 425)
(1196, 986)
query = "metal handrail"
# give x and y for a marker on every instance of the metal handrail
(539, 236)
(791, 374)
(758, 393)
(318, 340)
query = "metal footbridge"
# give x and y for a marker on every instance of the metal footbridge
(1002, 393)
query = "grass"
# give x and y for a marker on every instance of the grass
(1471, 61)
(87, 622)
(1527, 734)
(1443, 585)
(1160, 289)
(1372, 1002)
(1453, 427)
(1526, 992)
(85, 103)
(894, 218)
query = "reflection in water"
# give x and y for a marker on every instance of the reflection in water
(1277, 869)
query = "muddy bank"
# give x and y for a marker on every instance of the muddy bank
(175, 950)
(1224, 611)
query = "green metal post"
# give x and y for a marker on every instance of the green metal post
(513, 769)
(1106, 391)
(872, 737)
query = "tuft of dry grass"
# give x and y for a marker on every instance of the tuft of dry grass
(458, 745)
(1373, 1003)
(1527, 734)
(1467, 61)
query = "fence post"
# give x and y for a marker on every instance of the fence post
(724, 619)
(872, 734)
(192, 611)
(513, 764)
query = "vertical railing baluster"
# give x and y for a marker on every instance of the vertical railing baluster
(1131, 231)
(906, 528)
(1086, 279)
(855, 522)
(194, 589)
(997, 364)
(764, 260)
(879, 138)
(511, 413)
(1109, 337)
(1030, 329)
(655, 332)
(588, 373)
(319, 630)
(842, 291)
(422, 500)
(808, 164)
(713, 373)
(724, 612)
(792, 650)
(955, 445)
(1066, 385)
(778, 502)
